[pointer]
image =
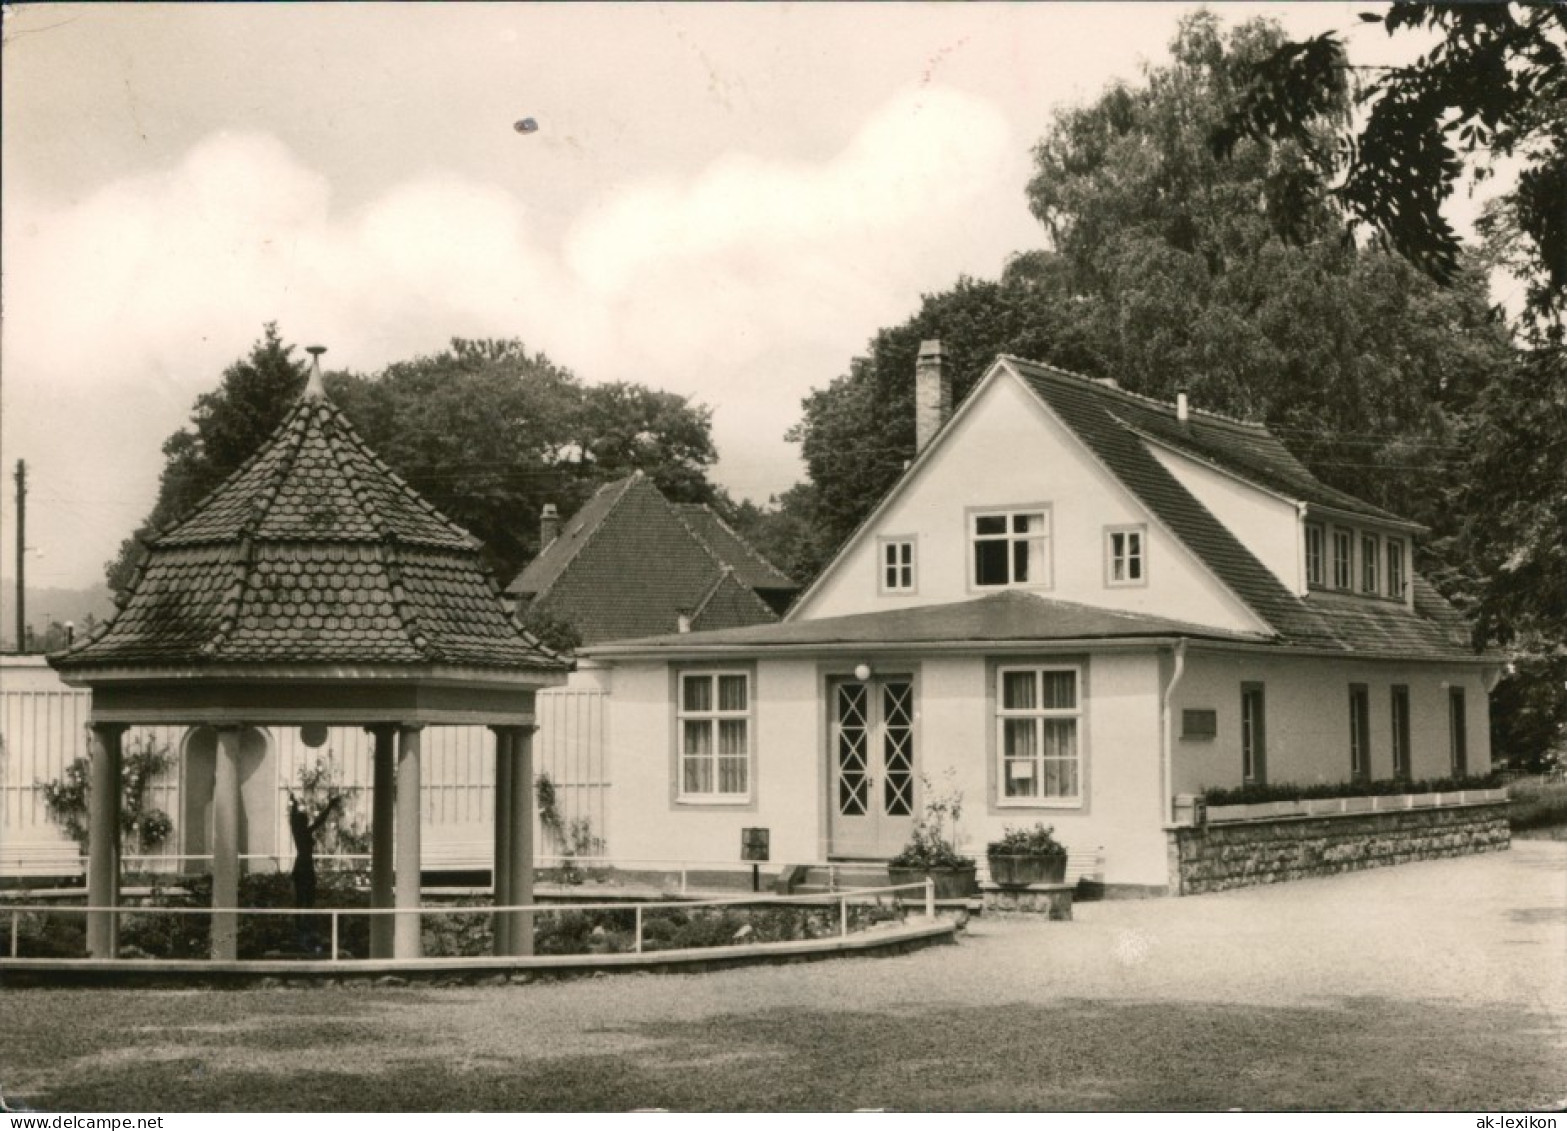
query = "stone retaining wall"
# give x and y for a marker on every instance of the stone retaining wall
(1217, 857)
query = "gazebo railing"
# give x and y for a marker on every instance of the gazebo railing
(923, 890)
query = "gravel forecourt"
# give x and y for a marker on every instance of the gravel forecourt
(1433, 986)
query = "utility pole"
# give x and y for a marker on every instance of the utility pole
(21, 555)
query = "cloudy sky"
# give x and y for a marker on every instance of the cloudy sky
(725, 202)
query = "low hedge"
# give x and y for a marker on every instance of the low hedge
(1381, 787)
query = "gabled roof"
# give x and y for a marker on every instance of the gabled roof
(1115, 427)
(750, 568)
(313, 552)
(999, 618)
(628, 563)
(1108, 421)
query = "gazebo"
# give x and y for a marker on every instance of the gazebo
(316, 588)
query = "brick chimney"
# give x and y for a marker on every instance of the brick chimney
(932, 393)
(549, 525)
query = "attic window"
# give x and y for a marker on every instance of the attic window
(1370, 544)
(1343, 549)
(1124, 555)
(1395, 568)
(1316, 555)
(1011, 548)
(896, 566)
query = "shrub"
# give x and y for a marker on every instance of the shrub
(1537, 804)
(1381, 787)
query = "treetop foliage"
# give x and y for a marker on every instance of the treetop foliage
(1493, 87)
(487, 431)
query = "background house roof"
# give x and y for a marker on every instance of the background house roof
(313, 552)
(629, 563)
(750, 568)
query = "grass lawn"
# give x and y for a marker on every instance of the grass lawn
(398, 1050)
(1433, 986)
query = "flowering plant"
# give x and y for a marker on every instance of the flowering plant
(930, 845)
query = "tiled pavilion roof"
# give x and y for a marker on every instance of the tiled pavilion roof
(313, 553)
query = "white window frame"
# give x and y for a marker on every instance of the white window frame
(1344, 581)
(1042, 714)
(886, 566)
(1397, 581)
(1370, 564)
(1010, 537)
(713, 717)
(1128, 533)
(1316, 563)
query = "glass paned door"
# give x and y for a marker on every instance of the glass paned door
(872, 765)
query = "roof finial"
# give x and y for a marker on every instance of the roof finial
(314, 389)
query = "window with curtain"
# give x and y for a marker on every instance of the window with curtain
(714, 722)
(1038, 716)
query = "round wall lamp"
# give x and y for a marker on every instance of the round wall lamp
(862, 672)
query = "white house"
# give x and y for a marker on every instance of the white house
(1079, 603)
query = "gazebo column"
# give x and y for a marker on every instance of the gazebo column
(519, 932)
(405, 939)
(501, 874)
(103, 839)
(383, 800)
(225, 844)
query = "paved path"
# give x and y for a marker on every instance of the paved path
(1434, 985)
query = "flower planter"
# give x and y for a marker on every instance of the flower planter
(951, 883)
(1020, 871)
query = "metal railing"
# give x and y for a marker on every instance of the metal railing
(927, 887)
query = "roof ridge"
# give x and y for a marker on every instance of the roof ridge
(228, 615)
(250, 461)
(348, 434)
(727, 574)
(624, 485)
(262, 505)
(1098, 383)
(745, 544)
(407, 618)
(697, 538)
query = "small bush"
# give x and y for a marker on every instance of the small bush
(1381, 787)
(1537, 804)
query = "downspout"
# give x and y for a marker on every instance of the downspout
(1168, 767)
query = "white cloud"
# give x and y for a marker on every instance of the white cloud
(122, 307)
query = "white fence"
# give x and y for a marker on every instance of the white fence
(43, 729)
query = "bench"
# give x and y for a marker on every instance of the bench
(42, 861)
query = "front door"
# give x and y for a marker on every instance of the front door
(871, 766)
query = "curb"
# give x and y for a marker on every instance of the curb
(17, 973)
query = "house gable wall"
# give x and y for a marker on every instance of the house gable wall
(1006, 449)
(1266, 524)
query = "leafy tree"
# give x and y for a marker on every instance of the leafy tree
(1494, 87)
(227, 425)
(1168, 273)
(485, 430)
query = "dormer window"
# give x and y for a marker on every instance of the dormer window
(1316, 555)
(1370, 546)
(1011, 547)
(1343, 550)
(1395, 568)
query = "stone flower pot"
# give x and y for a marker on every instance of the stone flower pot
(1020, 871)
